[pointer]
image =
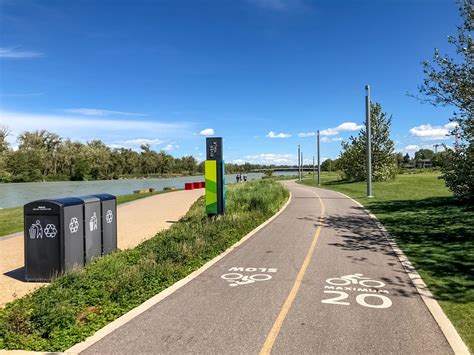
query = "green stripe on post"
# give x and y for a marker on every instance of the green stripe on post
(210, 173)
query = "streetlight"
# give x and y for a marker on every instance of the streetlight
(319, 163)
(299, 163)
(368, 139)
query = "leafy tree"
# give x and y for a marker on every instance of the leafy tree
(25, 165)
(399, 159)
(4, 133)
(352, 160)
(4, 146)
(406, 159)
(449, 81)
(441, 159)
(424, 154)
(327, 165)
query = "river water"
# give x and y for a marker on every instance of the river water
(17, 194)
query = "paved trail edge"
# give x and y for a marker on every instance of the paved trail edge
(109, 328)
(448, 329)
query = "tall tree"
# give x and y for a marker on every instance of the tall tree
(424, 154)
(449, 81)
(352, 160)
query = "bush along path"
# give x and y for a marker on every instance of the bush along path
(74, 306)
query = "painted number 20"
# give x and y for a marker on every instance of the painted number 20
(361, 299)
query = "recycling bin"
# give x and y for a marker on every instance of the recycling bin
(92, 228)
(53, 237)
(108, 212)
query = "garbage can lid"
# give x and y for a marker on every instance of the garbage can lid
(50, 206)
(105, 197)
(88, 199)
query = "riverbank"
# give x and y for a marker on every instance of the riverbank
(15, 195)
(76, 305)
(434, 230)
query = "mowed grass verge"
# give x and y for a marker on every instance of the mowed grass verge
(435, 231)
(76, 305)
(11, 219)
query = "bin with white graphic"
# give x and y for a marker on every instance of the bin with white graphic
(92, 228)
(53, 237)
(109, 222)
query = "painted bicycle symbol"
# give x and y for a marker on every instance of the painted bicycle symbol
(236, 279)
(356, 279)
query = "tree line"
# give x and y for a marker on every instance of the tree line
(43, 155)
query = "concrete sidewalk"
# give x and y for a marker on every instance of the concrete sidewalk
(137, 221)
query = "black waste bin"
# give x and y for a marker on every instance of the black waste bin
(53, 237)
(92, 228)
(109, 222)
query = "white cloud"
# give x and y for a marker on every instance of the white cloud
(267, 158)
(140, 141)
(171, 146)
(100, 112)
(325, 139)
(429, 132)
(86, 128)
(411, 148)
(306, 134)
(451, 125)
(13, 53)
(343, 127)
(207, 132)
(272, 134)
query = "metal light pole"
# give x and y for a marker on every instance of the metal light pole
(302, 166)
(314, 169)
(319, 163)
(299, 165)
(369, 142)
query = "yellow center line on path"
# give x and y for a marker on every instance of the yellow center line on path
(271, 337)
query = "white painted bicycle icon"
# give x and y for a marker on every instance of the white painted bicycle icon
(357, 279)
(237, 279)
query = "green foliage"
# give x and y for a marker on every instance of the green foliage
(352, 160)
(43, 155)
(424, 154)
(268, 173)
(76, 305)
(458, 172)
(449, 81)
(436, 232)
(329, 165)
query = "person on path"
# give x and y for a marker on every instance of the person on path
(245, 177)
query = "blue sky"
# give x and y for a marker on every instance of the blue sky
(260, 73)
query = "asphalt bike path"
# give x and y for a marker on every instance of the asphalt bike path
(320, 278)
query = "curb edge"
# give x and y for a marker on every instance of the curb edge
(447, 328)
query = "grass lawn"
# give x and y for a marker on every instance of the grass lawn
(74, 306)
(434, 230)
(11, 219)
